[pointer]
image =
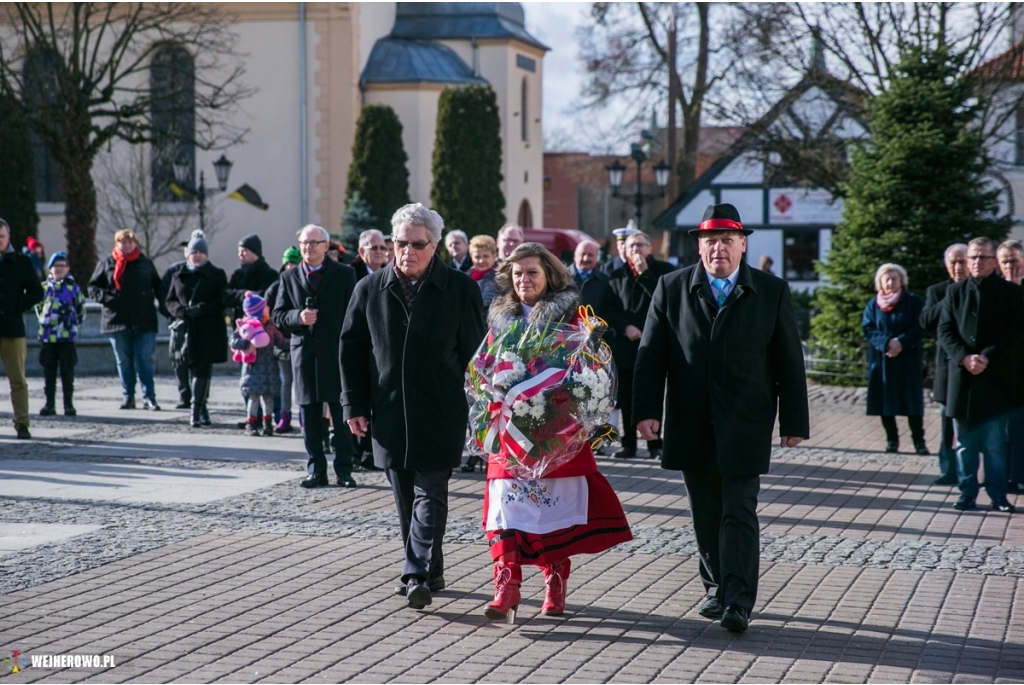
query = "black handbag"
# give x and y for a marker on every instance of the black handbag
(180, 339)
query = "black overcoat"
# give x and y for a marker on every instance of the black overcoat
(982, 317)
(256, 276)
(734, 367)
(134, 305)
(929, 320)
(20, 290)
(635, 295)
(204, 288)
(405, 368)
(315, 371)
(895, 384)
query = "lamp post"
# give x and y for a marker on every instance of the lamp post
(182, 172)
(661, 176)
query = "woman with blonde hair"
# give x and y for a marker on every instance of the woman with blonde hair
(483, 251)
(895, 356)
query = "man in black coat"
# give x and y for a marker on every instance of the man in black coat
(955, 259)
(410, 332)
(981, 329)
(595, 291)
(311, 304)
(128, 286)
(725, 337)
(634, 284)
(457, 243)
(180, 370)
(254, 274)
(20, 290)
(372, 254)
(609, 267)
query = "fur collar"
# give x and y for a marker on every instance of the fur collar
(561, 306)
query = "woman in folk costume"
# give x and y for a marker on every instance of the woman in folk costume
(572, 509)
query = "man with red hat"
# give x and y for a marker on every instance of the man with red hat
(725, 338)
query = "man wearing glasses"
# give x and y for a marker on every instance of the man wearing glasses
(410, 331)
(981, 328)
(311, 304)
(373, 253)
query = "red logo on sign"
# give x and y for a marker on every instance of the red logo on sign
(783, 203)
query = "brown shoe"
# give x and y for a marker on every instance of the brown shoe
(22, 431)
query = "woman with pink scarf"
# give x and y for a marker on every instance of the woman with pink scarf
(895, 358)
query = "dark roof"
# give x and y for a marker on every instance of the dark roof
(415, 61)
(462, 20)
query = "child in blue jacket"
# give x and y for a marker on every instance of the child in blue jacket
(60, 313)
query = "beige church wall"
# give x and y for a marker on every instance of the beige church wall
(375, 20)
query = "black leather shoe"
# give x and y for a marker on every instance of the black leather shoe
(892, 446)
(47, 410)
(417, 594)
(946, 480)
(150, 405)
(347, 482)
(128, 403)
(22, 431)
(965, 503)
(183, 405)
(314, 482)
(624, 453)
(1004, 507)
(655, 453)
(434, 585)
(711, 607)
(735, 619)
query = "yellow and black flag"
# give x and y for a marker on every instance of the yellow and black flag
(246, 193)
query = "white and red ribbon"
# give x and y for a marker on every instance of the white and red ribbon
(502, 433)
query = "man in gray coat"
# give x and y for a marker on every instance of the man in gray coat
(411, 329)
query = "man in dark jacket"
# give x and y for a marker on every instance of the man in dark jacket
(20, 290)
(981, 329)
(634, 284)
(725, 336)
(372, 253)
(311, 304)
(180, 370)
(955, 259)
(595, 291)
(617, 261)
(410, 332)
(254, 274)
(128, 286)
(457, 243)
(1011, 263)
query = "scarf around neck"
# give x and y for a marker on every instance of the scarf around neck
(477, 275)
(121, 263)
(887, 303)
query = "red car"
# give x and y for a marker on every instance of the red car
(561, 242)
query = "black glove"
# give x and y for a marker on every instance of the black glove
(192, 311)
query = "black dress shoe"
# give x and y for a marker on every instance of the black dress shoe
(946, 480)
(434, 585)
(1004, 507)
(965, 503)
(921, 449)
(183, 405)
(892, 446)
(347, 482)
(735, 619)
(624, 453)
(417, 594)
(314, 482)
(711, 607)
(654, 452)
(128, 403)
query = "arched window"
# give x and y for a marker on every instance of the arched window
(43, 93)
(524, 114)
(172, 82)
(525, 214)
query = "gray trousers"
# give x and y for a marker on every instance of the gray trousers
(422, 501)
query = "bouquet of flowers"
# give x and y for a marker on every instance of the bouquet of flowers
(537, 392)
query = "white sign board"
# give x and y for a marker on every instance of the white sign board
(803, 206)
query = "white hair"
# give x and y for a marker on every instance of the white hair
(511, 227)
(418, 215)
(457, 234)
(953, 249)
(369, 234)
(324, 235)
(891, 268)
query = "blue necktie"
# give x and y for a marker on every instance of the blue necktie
(721, 284)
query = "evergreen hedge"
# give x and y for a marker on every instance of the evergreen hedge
(17, 176)
(378, 172)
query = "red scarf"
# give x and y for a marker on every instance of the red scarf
(121, 263)
(887, 303)
(478, 275)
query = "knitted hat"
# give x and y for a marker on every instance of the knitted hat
(252, 243)
(253, 304)
(198, 244)
(31, 243)
(58, 257)
(292, 256)
(198, 233)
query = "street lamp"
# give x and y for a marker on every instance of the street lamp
(183, 173)
(661, 176)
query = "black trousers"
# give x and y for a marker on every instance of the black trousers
(314, 430)
(60, 356)
(627, 430)
(724, 510)
(181, 373)
(892, 432)
(947, 451)
(422, 501)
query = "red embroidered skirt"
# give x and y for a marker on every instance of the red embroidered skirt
(606, 527)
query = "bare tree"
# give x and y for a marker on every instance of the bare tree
(81, 72)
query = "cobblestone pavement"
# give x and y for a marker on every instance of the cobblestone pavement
(867, 572)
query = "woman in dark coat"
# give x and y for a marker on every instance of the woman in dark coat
(197, 295)
(895, 358)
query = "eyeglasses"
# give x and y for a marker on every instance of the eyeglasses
(417, 245)
(978, 257)
(311, 243)
(376, 248)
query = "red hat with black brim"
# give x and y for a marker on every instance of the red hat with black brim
(723, 217)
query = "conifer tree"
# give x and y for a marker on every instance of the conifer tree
(916, 186)
(17, 179)
(378, 172)
(466, 166)
(356, 219)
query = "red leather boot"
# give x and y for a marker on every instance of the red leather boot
(507, 579)
(555, 577)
